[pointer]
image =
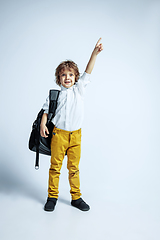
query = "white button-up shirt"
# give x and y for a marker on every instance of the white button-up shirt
(69, 112)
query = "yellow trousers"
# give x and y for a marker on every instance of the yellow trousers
(61, 142)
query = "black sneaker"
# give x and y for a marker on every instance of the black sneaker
(80, 204)
(50, 204)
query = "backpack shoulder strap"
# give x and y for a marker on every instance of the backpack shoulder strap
(53, 99)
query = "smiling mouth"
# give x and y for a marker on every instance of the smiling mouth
(67, 82)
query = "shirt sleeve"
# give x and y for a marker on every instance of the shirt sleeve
(83, 81)
(46, 105)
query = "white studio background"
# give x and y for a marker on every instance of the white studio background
(121, 134)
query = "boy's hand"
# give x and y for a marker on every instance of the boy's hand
(98, 48)
(44, 131)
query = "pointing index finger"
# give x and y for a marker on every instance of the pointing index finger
(98, 41)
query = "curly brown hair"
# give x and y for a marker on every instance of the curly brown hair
(68, 64)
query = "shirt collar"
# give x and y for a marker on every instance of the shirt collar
(65, 89)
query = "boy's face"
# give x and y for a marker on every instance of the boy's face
(67, 78)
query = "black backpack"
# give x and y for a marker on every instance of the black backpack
(37, 143)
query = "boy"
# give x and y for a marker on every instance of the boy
(67, 131)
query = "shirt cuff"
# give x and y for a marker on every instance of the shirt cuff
(87, 74)
(46, 111)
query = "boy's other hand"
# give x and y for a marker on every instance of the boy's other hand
(44, 131)
(98, 48)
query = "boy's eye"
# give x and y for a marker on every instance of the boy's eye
(71, 74)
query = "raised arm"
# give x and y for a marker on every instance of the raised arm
(98, 48)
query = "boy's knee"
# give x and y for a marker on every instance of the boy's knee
(73, 173)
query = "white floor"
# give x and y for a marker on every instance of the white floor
(24, 218)
(112, 216)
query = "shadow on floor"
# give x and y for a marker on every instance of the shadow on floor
(64, 201)
(12, 183)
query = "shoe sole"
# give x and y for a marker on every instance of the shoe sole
(48, 210)
(85, 210)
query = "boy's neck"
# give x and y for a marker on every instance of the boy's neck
(64, 88)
